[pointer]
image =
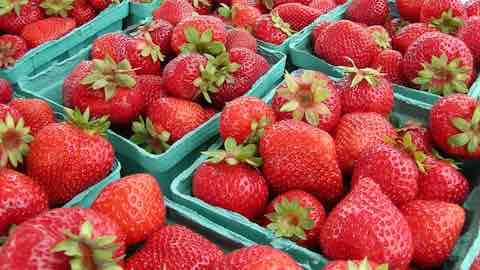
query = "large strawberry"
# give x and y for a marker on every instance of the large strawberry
(46, 30)
(14, 15)
(12, 48)
(111, 44)
(298, 16)
(175, 247)
(446, 15)
(272, 29)
(435, 228)
(15, 137)
(144, 55)
(299, 156)
(369, 12)
(473, 8)
(173, 11)
(470, 34)
(409, 9)
(309, 96)
(6, 91)
(35, 112)
(64, 238)
(409, 34)
(367, 224)
(389, 62)
(76, 145)
(240, 38)
(79, 10)
(161, 33)
(439, 63)
(354, 265)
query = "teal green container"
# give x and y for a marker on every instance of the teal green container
(140, 11)
(37, 59)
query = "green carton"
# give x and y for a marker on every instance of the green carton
(140, 11)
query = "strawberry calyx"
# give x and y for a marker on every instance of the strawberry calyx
(370, 75)
(281, 25)
(108, 75)
(88, 253)
(7, 52)
(98, 126)
(305, 97)
(14, 140)
(442, 77)
(470, 132)
(201, 42)
(365, 265)
(407, 144)
(146, 135)
(290, 220)
(7, 6)
(150, 49)
(447, 23)
(258, 128)
(234, 154)
(57, 7)
(225, 11)
(382, 39)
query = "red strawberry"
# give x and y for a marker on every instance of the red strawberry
(161, 33)
(421, 137)
(297, 215)
(410, 9)
(446, 15)
(394, 25)
(51, 153)
(15, 137)
(299, 156)
(6, 110)
(175, 247)
(453, 122)
(202, 7)
(435, 228)
(367, 224)
(319, 28)
(409, 34)
(20, 199)
(244, 16)
(6, 91)
(14, 15)
(112, 44)
(79, 10)
(369, 12)
(473, 8)
(46, 30)
(470, 34)
(245, 119)
(389, 63)
(144, 55)
(152, 88)
(381, 36)
(256, 257)
(310, 97)
(43, 242)
(239, 38)
(173, 11)
(35, 112)
(298, 16)
(356, 132)
(323, 5)
(102, 4)
(272, 29)
(73, 80)
(345, 265)
(12, 48)
(439, 63)
(134, 202)
(336, 49)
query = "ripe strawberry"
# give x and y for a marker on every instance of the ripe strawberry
(389, 63)
(394, 25)
(35, 112)
(298, 16)
(354, 265)
(409, 34)
(239, 38)
(299, 156)
(453, 122)
(43, 242)
(6, 91)
(435, 228)
(51, 152)
(161, 33)
(310, 97)
(473, 8)
(15, 137)
(336, 49)
(180, 74)
(356, 132)
(367, 224)
(12, 48)
(14, 15)
(319, 28)
(381, 36)
(173, 11)
(72, 80)
(446, 15)
(79, 10)
(202, 7)
(470, 34)
(323, 5)
(272, 29)
(102, 4)
(144, 55)
(6, 110)
(152, 88)
(112, 44)
(256, 257)
(439, 63)
(245, 119)
(369, 12)
(134, 202)
(420, 135)
(241, 15)
(297, 215)
(20, 199)
(175, 247)
(410, 9)
(46, 30)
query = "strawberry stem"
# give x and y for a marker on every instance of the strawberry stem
(82, 121)
(235, 154)
(147, 136)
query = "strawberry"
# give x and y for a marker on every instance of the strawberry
(173, 11)
(73, 80)
(446, 15)
(245, 119)
(394, 25)
(366, 90)
(473, 8)
(152, 137)
(79, 10)
(256, 257)
(323, 5)
(175, 247)
(51, 152)
(409, 34)
(46, 30)
(354, 265)
(469, 33)
(152, 88)
(6, 91)
(241, 15)
(202, 34)
(14, 15)
(421, 137)
(43, 242)
(310, 97)
(454, 121)
(15, 137)
(239, 38)
(439, 63)
(112, 44)
(319, 28)
(227, 180)
(20, 199)
(381, 36)
(82, 12)
(297, 215)
(336, 49)
(367, 224)
(161, 34)
(121, 199)
(435, 228)
(202, 7)
(272, 29)
(144, 55)
(35, 112)
(299, 156)
(298, 16)
(369, 12)
(5, 110)
(389, 62)
(410, 9)
(102, 4)
(356, 132)
(12, 48)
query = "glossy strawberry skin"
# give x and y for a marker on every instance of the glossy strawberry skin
(6, 91)
(298, 16)
(36, 113)
(7, 109)
(152, 88)
(323, 5)
(321, 26)
(473, 8)
(143, 64)
(100, 4)
(14, 48)
(46, 30)
(173, 11)
(369, 12)
(470, 34)
(409, 34)
(410, 9)
(389, 62)
(113, 44)
(433, 9)
(265, 31)
(29, 13)
(82, 12)
(239, 38)
(180, 73)
(245, 16)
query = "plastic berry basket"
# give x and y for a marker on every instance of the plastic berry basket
(140, 11)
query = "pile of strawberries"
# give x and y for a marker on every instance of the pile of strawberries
(324, 167)
(432, 47)
(26, 24)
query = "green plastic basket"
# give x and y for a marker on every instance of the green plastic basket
(37, 59)
(140, 11)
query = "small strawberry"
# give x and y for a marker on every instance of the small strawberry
(473, 8)
(112, 44)
(410, 9)
(421, 136)
(12, 48)
(79, 10)
(369, 12)
(202, 7)
(446, 15)
(152, 88)
(409, 34)
(298, 16)
(14, 15)
(144, 55)
(435, 228)
(319, 28)
(161, 34)
(46, 30)
(470, 34)
(241, 15)
(239, 38)
(15, 137)
(35, 112)
(354, 265)
(6, 91)
(272, 29)
(389, 62)
(102, 4)
(381, 36)
(173, 11)
(323, 5)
